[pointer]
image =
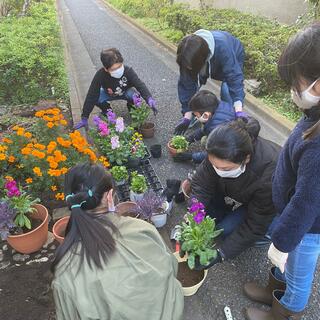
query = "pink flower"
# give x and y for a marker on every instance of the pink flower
(103, 127)
(115, 142)
(119, 125)
(12, 189)
(198, 218)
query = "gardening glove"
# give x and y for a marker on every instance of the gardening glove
(182, 156)
(137, 100)
(152, 105)
(218, 259)
(81, 124)
(278, 258)
(241, 114)
(182, 126)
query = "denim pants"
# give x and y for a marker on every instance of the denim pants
(299, 273)
(104, 97)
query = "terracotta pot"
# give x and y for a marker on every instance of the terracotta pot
(59, 228)
(190, 291)
(186, 188)
(34, 240)
(126, 209)
(174, 151)
(147, 130)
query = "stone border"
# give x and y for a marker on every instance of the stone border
(278, 121)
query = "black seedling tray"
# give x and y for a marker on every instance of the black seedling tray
(148, 154)
(153, 181)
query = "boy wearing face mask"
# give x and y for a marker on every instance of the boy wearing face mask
(210, 112)
(114, 81)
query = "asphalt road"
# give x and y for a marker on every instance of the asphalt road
(99, 28)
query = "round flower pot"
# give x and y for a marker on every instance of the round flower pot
(156, 150)
(59, 229)
(173, 151)
(159, 220)
(133, 163)
(147, 130)
(120, 183)
(32, 241)
(126, 209)
(187, 274)
(186, 188)
(135, 196)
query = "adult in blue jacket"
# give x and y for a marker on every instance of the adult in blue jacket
(214, 54)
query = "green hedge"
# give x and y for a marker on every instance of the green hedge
(31, 56)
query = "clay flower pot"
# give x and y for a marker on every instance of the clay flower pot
(126, 209)
(59, 228)
(201, 275)
(173, 151)
(147, 130)
(32, 241)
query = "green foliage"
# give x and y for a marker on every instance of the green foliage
(11, 7)
(138, 183)
(119, 173)
(180, 143)
(139, 115)
(31, 56)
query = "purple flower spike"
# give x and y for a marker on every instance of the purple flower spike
(198, 218)
(119, 125)
(96, 120)
(115, 142)
(137, 100)
(111, 116)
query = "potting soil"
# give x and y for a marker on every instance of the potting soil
(188, 277)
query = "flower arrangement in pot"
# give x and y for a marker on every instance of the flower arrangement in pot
(178, 144)
(138, 186)
(119, 174)
(137, 150)
(139, 115)
(23, 222)
(197, 239)
(153, 207)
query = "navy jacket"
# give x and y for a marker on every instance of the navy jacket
(226, 65)
(296, 188)
(224, 113)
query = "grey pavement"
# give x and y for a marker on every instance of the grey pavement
(90, 26)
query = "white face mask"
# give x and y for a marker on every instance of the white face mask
(203, 119)
(306, 100)
(118, 73)
(235, 173)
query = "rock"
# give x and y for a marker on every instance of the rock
(45, 104)
(4, 264)
(5, 247)
(20, 257)
(253, 86)
(60, 213)
(49, 240)
(44, 259)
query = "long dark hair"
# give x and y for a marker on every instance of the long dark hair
(301, 60)
(192, 53)
(86, 184)
(233, 141)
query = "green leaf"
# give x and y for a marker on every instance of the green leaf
(191, 261)
(203, 258)
(27, 222)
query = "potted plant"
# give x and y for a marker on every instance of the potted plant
(139, 114)
(120, 175)
(197, 245)
(23, 222)
(138, 186)
(153, 208)
(59, 228)
(137, 150)
(178, 144)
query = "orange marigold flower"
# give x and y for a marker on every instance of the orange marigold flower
(9, 178)
(11, 159)
(53, 165)
(54, 188)
(29, 145)
(2, 156)
(26, 151)
(50, 125)
(28, 135)
(37, 171)
(15, 128)
(7, 140)
(64, 170)
(29, 180)
(40, 146)
(60, 196)
(38, 154)
(20, 132)
(54, 172)
(3, 148)
(63, 122)
(39, 114)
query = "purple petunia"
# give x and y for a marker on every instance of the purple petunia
(137, 100)
(119, 125)
(115, 142)
(112, 118)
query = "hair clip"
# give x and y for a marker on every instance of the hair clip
(78, 205)
(68, 196)
(90, 193)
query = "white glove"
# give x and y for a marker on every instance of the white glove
(278, 258)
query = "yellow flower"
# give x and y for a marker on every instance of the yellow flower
(37, 171)
(54, 188)
(3, 148)
(60, 196)
(9, 178)
(28, 135)
(2, 156)
(11, 159)
(20, 166)
(20, 132)
(50, 125)
(29, 180)
(63, 122)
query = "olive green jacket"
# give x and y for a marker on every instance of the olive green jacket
(137, 283)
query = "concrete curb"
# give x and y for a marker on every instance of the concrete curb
(282, 124)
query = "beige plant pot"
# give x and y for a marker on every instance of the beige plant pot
(190, 291)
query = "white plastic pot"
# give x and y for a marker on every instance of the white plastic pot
(135, 196)
(159, 220)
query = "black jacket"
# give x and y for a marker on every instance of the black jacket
(252, 189)
(113, 87)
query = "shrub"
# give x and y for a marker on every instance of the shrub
(31, 56)
(138, 183)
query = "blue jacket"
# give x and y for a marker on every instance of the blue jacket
(226, 65)
(224, 113)
(296, 189)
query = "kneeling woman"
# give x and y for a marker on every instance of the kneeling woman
(234, 184)
(111, 267)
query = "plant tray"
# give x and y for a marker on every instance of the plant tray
(153, 181)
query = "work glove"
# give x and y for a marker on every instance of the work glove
(182, 126)
(241, 114)
(182, 156)
(152, 104)
(137, 100)
(81, 124)
(278, 258)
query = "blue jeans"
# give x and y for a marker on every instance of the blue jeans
(225, 94)
(299, 273)
(104, 97)
(198, 157)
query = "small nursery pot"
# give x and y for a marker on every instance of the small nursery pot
(190, 291)
(133, 162)
(186, 188)
(135, 196)
(59, 228)
(159, 220)
(156, 150)
(126, 209)
(147, 130)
